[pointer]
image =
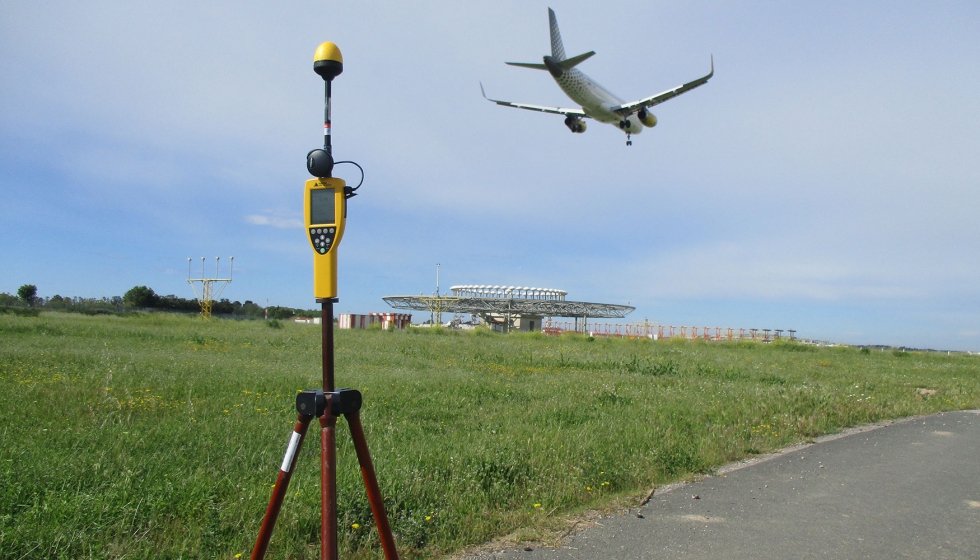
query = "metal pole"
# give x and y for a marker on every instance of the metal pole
(326, 328)
(326, 117)
(328, 440)
(328, 486)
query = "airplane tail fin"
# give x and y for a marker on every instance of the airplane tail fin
(557, 48)
(557, 53)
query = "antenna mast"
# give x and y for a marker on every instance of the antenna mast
(211, 288)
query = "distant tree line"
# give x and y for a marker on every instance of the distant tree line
(142, 298)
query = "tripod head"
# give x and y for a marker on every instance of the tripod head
(316, 403)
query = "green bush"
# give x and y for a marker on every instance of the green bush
(22, 311)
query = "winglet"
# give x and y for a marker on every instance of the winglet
(712, 73)
(483, 92)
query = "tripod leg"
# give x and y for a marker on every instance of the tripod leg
(328, 487)
(371, 485)
(282, 484)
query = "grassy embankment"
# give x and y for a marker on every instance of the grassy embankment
(158, 436)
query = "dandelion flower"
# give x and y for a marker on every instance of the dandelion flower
(537, 505)
(239, 555)
(589, 488)
(356, 525)
(428, 518)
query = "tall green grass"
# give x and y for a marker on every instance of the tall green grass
(158, 436)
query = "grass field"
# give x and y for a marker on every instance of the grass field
(158, 436)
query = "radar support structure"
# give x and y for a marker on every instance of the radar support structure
(211, 288)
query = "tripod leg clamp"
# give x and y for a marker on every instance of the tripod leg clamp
(315, 402)
(311, 403)
(344, 401)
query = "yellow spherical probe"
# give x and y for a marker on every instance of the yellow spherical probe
(328, 62)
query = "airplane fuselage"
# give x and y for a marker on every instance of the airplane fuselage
(594, 99)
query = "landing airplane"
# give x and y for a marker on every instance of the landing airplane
(596, 101)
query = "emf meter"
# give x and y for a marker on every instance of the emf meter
(325, 210)
(325, 200)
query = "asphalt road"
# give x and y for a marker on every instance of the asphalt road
(910, 489)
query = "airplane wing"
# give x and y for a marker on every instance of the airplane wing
(539, 108)
(630, 108)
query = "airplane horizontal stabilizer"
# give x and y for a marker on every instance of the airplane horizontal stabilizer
(570, 63)
(528, 65)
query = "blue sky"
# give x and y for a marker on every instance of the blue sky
(825, 180)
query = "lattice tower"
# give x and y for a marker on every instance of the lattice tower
(211, 288)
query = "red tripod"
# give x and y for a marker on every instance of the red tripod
(327, 405)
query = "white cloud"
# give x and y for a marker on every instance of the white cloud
(762, 270)
(275, 220)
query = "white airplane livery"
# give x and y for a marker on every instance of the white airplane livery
(596, 101)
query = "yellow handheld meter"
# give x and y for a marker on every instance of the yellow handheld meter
(325, 210)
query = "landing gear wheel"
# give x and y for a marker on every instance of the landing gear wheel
(629, 142)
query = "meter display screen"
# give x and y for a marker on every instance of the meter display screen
(322, 206)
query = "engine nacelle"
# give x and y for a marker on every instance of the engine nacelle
(575, 124)
(647, 118)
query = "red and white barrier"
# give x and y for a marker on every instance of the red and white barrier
(363, 321)
(394, 320)
(658, 332)
(354, 321)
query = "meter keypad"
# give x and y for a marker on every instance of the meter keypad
(322, 239)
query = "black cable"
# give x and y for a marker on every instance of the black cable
(354, 163)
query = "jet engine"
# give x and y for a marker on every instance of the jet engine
(575, 124)
(647, 118)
